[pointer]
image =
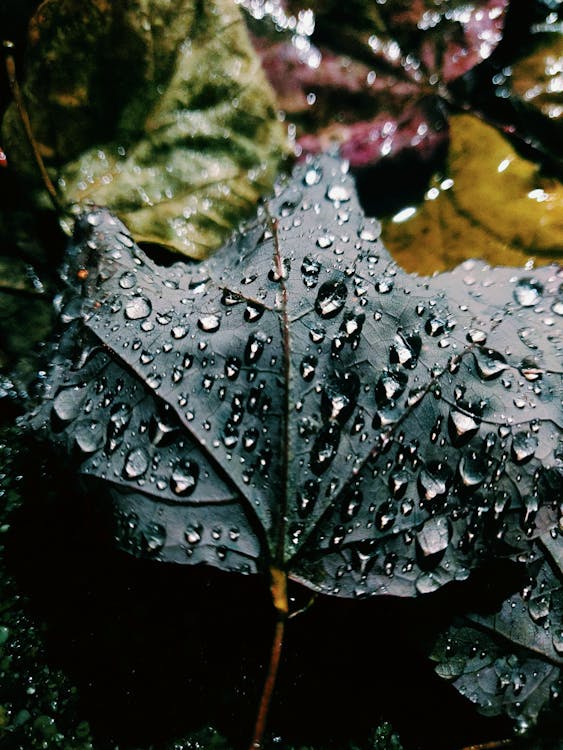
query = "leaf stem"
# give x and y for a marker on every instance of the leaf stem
(24, 117)
(279, 598)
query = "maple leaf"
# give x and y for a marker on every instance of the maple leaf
(299, 403)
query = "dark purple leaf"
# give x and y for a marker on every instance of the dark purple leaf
(360, 75)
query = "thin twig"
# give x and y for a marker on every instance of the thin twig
(24, 117)
(279, 598)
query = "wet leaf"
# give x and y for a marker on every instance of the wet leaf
(491, 203)
(160, 113)
(404, 427)
(510, 661)
(361, 75)
(537, 78)
(300, 402)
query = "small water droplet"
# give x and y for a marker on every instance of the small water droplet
(184, 478)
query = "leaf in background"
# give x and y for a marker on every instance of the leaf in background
(492, 204)
(300, 402)
(537, 78)
(159, 112)
(367, 83)
(510, 661)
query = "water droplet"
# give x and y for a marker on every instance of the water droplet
(528, 292)
(405, 350)
(476, 336)
(384, 285)
(153, 538)
(137, 308)
(254, 347)
(473, 469)
(89, 435)
(307, 498)
(435, 326)
(232, 367)
(385, 516)
(331, 298)
(390, 385)
(193, 533)
(250, 439)
(312, 176)
(184, 478)
(136, 463)
(463, 424)
(310, 269)
(253, 312)
(489, 363)
(340, 395)
(291, 199)
(338, 193)
(67, 403)
(434, 480)
(324, 241)
(524, 445)
(434, 536)
(307, 367)
(350, 504)
(127, 280)
(325, 448)
(209, 323)
(539, 606)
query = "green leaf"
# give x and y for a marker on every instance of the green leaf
(493, 205)
(159, 112)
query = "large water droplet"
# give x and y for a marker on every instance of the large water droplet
(136, 463)
(434, 480)
(528, 292)
(232, 367)
(338, 193)
(307, 498)
(67, 403)
(310, 269)
(390, 385)
(331, 298)
(405, 350)
(340, 395)
(138, 308)
(193, 533)
(524, 445)
(89, 435)
(153, 538)
(325, 448)
(307, 367)
(209, 323)
(490, 363)
(184, 478)
(434, 536)
(473, 469)
(254, 347)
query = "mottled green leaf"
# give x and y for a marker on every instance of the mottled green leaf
(159, 111)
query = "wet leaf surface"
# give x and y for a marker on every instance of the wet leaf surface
(361, 75)
(490, 203)
(300, 401)
(162, 114)
(510, 660)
